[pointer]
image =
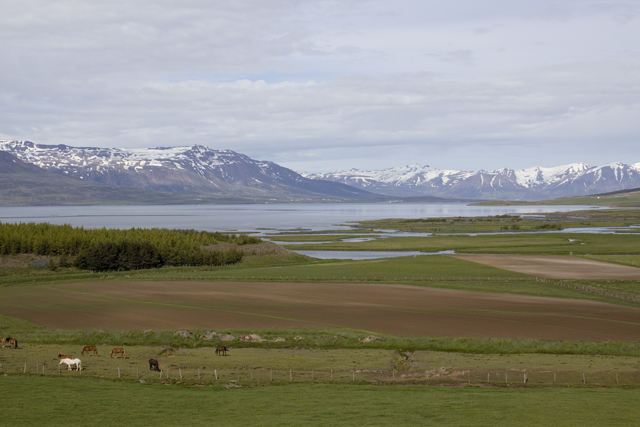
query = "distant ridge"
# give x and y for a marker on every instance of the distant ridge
(536, 183)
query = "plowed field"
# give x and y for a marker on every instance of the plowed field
(556, 267)
(398, 310)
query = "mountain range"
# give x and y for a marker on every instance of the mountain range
(536, 183)
(195, 170)
(198, 173)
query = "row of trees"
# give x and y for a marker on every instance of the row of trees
(112, 249)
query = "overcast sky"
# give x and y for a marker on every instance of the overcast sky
(320, 86)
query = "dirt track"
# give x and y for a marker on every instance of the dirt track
(556, 267)
(399, 310)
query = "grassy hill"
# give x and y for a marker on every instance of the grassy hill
(621, 199)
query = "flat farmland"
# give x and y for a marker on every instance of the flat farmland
(387, 309)
(556, 267)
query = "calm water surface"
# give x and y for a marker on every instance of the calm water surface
(253, 218)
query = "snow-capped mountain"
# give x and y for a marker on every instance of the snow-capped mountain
(191, 170)
(534, 183)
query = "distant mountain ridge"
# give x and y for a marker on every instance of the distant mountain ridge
(185, 170)
(536, 183)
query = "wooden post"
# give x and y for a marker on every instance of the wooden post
(43, 369)
(180, 371)
(554, 377)
(215, 371)
(198, 373)
(506, 377)
(616, 378)
(137, 372)
(469, 376)
(25, 368)
(160, 374)
(584, 380)
(487, 376)
(290, 375)
(118, 371)
(354, 375)
(525, 378)
(394, 374)
(251, 375)
(331, 374)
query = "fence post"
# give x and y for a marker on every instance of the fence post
(616, 377)
(215, 371)
(118, 371)
(525, 378)
(290, 375)
(25, 368)
(160, 374)
(468, 376)
(584, 380)
(271, 375)
(198, 373)
(354, 375)
(506, 377)
(43, 369)
(180, 371)
(137, 372)
(487, 376)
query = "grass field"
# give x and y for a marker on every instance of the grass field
(71, 402)
(547, 244)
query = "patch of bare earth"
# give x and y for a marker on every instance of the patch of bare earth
(556, 267)
(398, 310)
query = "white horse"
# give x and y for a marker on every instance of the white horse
(70, 362)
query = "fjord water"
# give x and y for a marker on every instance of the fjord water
(253, 218)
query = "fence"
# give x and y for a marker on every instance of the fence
(263, 376)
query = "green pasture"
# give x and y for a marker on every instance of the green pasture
(37, 400)
(507, 223)
(526, 244)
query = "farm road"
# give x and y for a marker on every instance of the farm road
(393, 309)
(556, 267)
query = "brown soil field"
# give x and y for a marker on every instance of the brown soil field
(393, 309)
(556, 267)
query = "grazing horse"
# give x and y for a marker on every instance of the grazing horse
(118, 351)
(2, 341)
(90, 348)
(13, 343)
(221, 350)
(154, 365)
(65, 356)
(70, 362)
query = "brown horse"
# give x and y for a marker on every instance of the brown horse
(88, 349)
(13, 343)
(118, 351)
(221, 350)
(2, 341)
(65, 356)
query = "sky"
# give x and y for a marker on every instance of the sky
(321, 86)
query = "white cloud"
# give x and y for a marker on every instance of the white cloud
(311, 84)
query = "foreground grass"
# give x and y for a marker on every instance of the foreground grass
(70, 402)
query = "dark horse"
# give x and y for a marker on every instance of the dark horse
(221, 350)
(154, 365)
(12, 342)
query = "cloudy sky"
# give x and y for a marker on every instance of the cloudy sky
(320, 86)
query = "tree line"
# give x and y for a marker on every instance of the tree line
(113, 249)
